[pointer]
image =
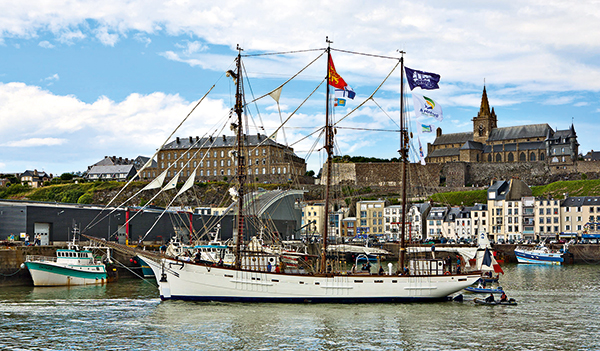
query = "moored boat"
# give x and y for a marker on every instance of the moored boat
(539, 255)
(70, 266)
(252, 278)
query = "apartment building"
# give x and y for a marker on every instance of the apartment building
(213, 158)
(370, 217)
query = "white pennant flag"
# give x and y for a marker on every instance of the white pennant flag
(188, 184)
(157, 182)
(426, 107)
(173, 183)
(275, 94)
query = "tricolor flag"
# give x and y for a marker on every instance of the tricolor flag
(427, 128)
(423, 80)
(489, 263)
(334, 79)
(426, 107)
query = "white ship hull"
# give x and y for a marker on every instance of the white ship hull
(187, 281)
(53, 274)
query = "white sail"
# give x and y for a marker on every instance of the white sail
(157, 182)
(189, 183)
(172, 184)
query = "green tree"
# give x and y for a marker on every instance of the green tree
(66, 176)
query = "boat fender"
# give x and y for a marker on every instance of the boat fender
(446, 273)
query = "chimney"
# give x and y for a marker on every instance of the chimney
(191, 139)
(438, 132)
(210, 138)
(224, 138)
(177, 140)
(197, 138)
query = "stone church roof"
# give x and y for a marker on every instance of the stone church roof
(445, 152)
(520, 132)
(453, 138)
(472, 145)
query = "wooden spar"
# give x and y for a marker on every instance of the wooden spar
(241, 169)
(329, 149)
(404, 157)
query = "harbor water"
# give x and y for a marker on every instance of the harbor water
(559, 309)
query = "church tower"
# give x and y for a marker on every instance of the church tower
(485, 121)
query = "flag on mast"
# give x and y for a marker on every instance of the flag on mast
(334, 78)
(423, 80)
(426, 107)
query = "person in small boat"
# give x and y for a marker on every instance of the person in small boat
(197, 256)
(481, 284)
(490, 298)
(503, 297)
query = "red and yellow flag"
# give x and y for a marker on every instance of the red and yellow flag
(334, 79)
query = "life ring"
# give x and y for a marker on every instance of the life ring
(446, 273)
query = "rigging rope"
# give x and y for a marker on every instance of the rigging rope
(151, 158)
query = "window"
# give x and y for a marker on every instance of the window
(363, 214)
(264, 170)
(548, 211)
(215, 154)
(222, 163)
(532, 157)
(579, 227)
(168, 156)
(578, 218)
(208, 172)
(541, 211)
(202, 173)
(567, 219)
(591, 210)
(567, 227)
(555, 219)
(181, 164)
(541, 229)
(162, 156)
(556, 229)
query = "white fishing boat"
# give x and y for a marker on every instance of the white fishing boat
(252, 277)
(71, 266)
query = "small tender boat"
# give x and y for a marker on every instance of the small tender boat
(71, 266)
(540, 254)
(510, 302)
(484, 290)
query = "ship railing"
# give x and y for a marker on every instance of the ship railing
(36, 258)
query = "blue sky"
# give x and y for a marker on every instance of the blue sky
(80, 80)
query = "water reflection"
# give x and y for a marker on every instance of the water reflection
(557, 306)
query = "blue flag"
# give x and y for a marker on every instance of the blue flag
(487, 258)
(346, 93)
(423, 80)
(426, 128)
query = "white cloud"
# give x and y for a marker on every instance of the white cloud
(141, 122)
(46, 44)
(35, 142)
(70, 36)
(52, 77)
(105, 37)
(142, 39)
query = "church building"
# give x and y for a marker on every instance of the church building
(488, 143)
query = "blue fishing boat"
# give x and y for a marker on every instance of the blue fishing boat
(484, 290)
(540, 255)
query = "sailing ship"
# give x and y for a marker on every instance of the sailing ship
(256, 276)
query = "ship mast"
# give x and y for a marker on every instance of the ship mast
(404, 158)
(241, 167)
(329, 149)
